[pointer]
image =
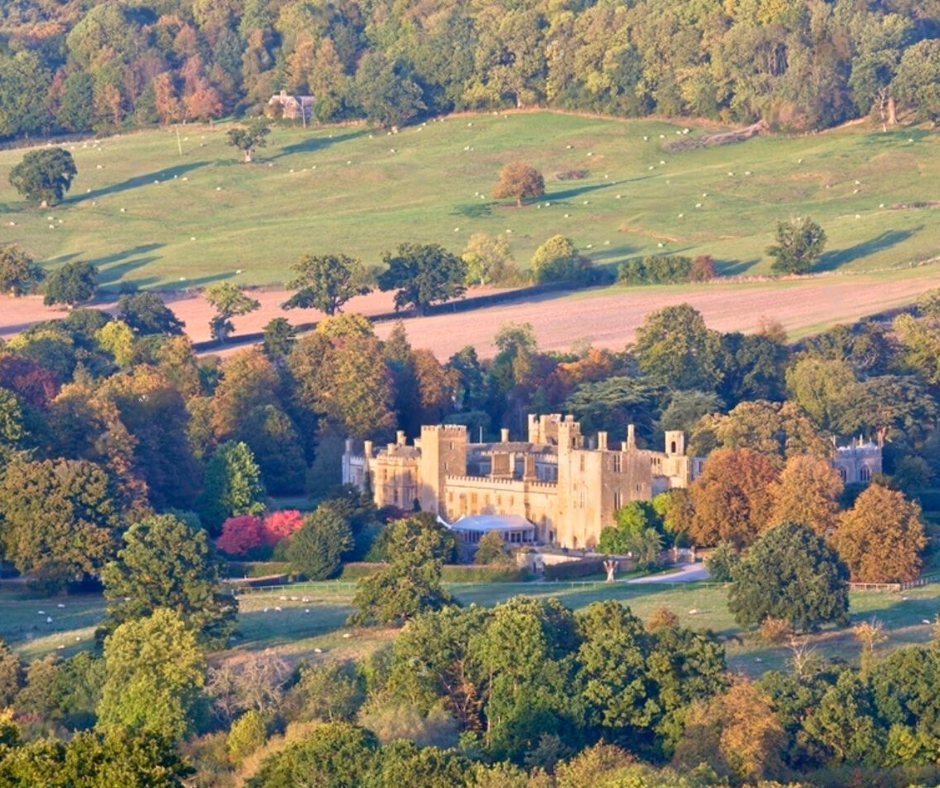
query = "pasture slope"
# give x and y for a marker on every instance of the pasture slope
(315, 619)
(146, 215)
(150, 217)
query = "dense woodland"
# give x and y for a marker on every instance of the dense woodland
(114, 418)
(86, 65)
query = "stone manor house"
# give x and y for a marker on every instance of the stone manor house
(568, 488)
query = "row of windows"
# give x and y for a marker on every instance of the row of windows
(487, 500)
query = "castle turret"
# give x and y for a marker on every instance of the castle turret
(675, 443)
(443, 453)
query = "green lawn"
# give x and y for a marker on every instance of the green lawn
(145, 214)
(25, 627)
(296, 620)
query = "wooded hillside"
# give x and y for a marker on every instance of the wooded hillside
(103, 64)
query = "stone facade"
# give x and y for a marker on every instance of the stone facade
(567, 489)
(292, 107)
(857, 462)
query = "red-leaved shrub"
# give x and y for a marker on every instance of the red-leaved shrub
(241, 534)
(280, 525)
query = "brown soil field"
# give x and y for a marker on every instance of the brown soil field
(606, 318)
(610, 319)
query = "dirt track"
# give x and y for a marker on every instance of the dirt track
(607, 319)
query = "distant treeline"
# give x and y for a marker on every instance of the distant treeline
(797, 64)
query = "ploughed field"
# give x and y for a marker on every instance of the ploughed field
(604, 317)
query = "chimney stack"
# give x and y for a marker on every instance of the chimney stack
(602, 441)
(504, 435)
(631, 437)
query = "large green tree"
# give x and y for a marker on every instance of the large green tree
(558, 260)
(800, 243)
(423, 274)
(58, 518)
(165, 563)
(316, 549)
(146, 314)
(229, 301)
(326, 282)
(72, 284)
(916, 78)
(334, 755)
(675, 348)
(44, 175)
(411, 582)
(792, 574)
(386, 91)
(249, 138)
(18, 273)
(155, 671)
(233, 486)
(93, 760)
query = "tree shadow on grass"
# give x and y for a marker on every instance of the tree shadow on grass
(568, 194)
(314, 144)
(610, 255)
(735, 267)
(473, 210)
(113, 268)
(168, 173)
(838, 257)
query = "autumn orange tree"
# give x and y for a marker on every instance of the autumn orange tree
(735, 732)
(519, 180)
(732, 501)
(881, 537)
(808, 492)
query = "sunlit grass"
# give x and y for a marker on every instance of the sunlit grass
(145, 214)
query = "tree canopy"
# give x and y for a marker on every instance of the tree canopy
(229, 301)
(881, 537)
(423, 274)
(72, 284)
(517, 179)
(167, 564)
(44, 175)
(792, 574)
(249, 138)
(316, 549)
(58, 518)
(800, 243)
(411, 583)
(19, 275)
(326, 282)
(154, 673)
(145, 313)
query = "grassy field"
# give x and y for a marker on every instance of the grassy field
(146, 214)
(298, 619)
